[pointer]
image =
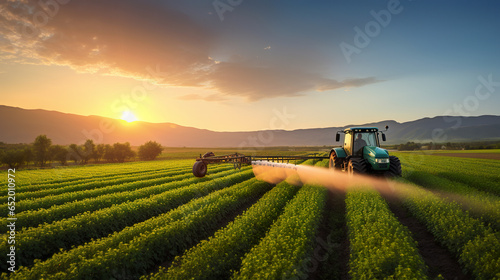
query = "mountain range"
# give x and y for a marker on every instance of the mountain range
(23, 126)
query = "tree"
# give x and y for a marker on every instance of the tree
(82, 153)
(150, 150)
(409, 146)
(59, 153)
(109, 153)
(99, 151)
(122, 151)
(88, 150)
(75, 153)
(28, 154)
(41, 149)
(14, 158)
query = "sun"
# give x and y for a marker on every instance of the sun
(128, 116)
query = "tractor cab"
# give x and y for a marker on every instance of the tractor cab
(357, 138)
(361, 153)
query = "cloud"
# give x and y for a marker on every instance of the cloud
(117, 37)
(254, 83)
(144, 40)
(329, 84)
(211, 97)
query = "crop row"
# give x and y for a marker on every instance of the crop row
(481, 204)
(24, 187)
(322, 163)
(65, 261)
(50, 201)
(216, 257)
(33, 178)
(474, 244)
(285, 251)
(46, 239)
(478, 165)
(32, 218)
(463, 170)
(74, 186)
(472, 165)
(181, 229)
(380, 246)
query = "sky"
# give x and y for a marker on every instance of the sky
(242, 65)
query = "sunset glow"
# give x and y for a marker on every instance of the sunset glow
(129, 116)
(199, 65)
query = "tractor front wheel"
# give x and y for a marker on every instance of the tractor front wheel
(199, 169)
(335, 162)
(394, 167)
(357, 166)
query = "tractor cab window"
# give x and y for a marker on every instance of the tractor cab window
(362, 139)
(347, 143)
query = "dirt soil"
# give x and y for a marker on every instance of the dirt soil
(335, 266)
(437, 258)
(471, 155)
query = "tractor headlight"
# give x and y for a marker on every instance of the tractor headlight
(382, 160)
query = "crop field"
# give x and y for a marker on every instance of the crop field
(155, 220)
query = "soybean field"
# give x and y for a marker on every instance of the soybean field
(155, 220)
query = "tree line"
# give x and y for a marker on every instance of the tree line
(42, 152)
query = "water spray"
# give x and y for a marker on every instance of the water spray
(299, 175)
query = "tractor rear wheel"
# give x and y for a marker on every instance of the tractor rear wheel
(335, 162)
(357, 166)
(394, 167)
(199, 169)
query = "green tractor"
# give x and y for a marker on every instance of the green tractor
(361, 153)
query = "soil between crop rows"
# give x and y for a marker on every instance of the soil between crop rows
(437, 258)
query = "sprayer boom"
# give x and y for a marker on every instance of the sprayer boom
(200, 166)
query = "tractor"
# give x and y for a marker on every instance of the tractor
(361, 153)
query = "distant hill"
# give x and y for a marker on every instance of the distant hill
(22, 126)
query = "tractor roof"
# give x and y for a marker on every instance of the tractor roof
(361, 129)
